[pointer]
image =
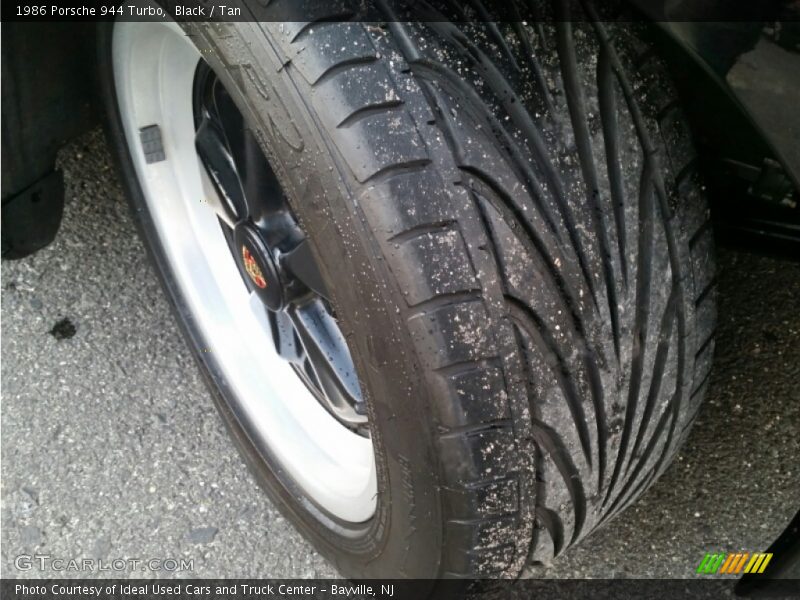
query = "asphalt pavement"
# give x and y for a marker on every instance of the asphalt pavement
(112, 448)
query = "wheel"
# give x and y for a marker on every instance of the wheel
(452, 283)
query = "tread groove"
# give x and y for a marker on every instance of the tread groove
(422, 229)
(665, 333)
(342, 67)
(705, 344)
(335, 18)
(693, 241)
(552, 522)
(629, 489)
(543, 98)
(610, 123)
(445, 300)
(484, 427)
(467, 366)
(535, 248)
(577, 111)
(699, 387)
(536, 330)
(643, 273)
(431, 69)
(547, 438)
(706, 291)
(650, 153)
(523, 120)
(368, 111)
(395, 169)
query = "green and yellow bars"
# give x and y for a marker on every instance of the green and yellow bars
(722, 563)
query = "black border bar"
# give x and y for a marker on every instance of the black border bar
(406, 10)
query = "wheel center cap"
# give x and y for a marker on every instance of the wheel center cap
(252, 268)
(258, 265)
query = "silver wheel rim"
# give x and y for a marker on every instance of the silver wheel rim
(154, 65)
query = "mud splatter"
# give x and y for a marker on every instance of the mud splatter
(63, 329)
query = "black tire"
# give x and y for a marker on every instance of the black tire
(520, 255)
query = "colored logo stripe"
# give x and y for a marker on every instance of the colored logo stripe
(710, 563)
(758, 563)
(732, 564)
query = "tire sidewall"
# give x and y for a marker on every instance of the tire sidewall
(405, 536)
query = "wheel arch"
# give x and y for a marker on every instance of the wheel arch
(49, 97)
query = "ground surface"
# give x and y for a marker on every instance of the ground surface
(112, 448)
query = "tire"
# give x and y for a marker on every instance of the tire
(518, 248)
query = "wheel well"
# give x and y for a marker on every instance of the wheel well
(48, 97)
(751, 179)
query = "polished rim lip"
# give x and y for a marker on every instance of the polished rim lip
(332, 465)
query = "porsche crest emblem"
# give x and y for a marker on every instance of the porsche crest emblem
(252, 268)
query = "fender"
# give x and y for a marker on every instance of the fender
(48, 98)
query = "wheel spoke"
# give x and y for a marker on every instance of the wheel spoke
(330, 358)
(213, 151)
(300, 262)
(213, 198)
(283, 334)
(262, 193)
